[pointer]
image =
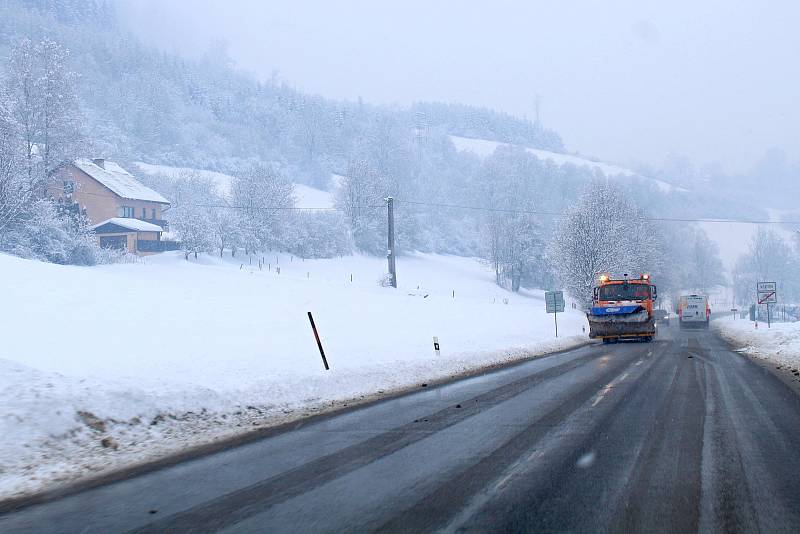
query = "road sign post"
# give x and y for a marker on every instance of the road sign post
(554, 303)
(767, 294)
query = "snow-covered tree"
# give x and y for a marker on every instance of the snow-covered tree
(603, 233)
(361, 197)
(705, 267)
(38, 131)
(262, 198)
(40, 87)
(225, 229)
(512, 231)
(769, 258)
(319, 235)
(15, 189)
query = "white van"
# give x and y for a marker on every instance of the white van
(694, 311)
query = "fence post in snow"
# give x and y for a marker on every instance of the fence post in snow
(436, 345)
(319, 343)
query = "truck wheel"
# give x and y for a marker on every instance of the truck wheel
(606, 341)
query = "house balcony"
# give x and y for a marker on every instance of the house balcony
(160, 222)
(143, 245)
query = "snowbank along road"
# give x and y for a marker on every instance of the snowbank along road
(680, 435)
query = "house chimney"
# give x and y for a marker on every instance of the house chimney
(100, 162)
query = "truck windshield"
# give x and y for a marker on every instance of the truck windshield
(625, 292)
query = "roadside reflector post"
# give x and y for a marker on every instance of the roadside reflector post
(436, 345)
(319, 343)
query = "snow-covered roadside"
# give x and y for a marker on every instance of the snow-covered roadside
(779, 344)
(110, 366)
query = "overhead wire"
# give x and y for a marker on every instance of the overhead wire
(558, 214)
(460, 206)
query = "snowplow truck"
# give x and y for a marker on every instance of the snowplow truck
(623, 309)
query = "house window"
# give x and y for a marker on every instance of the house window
(153, 213)
(126, 211)
(144, 213)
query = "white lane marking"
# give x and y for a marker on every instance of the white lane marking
(534, 454)
(611, 385)
(602, 393)
(639, 362)
(516, 468)
(502, 481)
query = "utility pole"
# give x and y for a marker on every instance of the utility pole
(391, 252)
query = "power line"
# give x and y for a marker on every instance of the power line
(452, 206)
(296, 208)
(556, 214)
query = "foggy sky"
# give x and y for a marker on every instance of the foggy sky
(619, 80)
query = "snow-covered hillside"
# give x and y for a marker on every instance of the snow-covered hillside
(117, 364)
(484, 148)
(305, 196)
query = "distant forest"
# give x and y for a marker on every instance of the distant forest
(134, 102)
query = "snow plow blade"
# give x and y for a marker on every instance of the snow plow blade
(620, 321)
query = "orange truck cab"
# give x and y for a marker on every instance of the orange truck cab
(622, 308)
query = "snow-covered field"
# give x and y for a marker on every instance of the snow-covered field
(484, 148)
(779, 344)
(107, 366)
(305, 196)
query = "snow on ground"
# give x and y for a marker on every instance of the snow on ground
(309, 197)
(118, 364)
(779, 344)
(221, 181)
(484, 148)
(305, 196)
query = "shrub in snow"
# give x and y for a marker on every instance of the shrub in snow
(42, 232)
(318, 235)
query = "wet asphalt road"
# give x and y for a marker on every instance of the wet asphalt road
(679, 435)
